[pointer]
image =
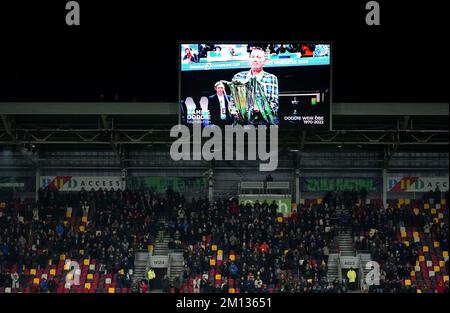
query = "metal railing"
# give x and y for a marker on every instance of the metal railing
(339, 267)
(361, 270)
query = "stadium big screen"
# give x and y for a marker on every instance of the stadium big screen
(285, 84)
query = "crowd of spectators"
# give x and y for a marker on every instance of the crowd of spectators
(285, 254)
(376, 228)
(290, 253)
(119, 223)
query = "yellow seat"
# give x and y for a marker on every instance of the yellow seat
(214, 247)
(412, 274)
(407, 282)
(212, 262)
(403, 234)
(86, 262)
(232, 257)
(445, 254)
(421, 258)
(416, 234)
(150, 248)
(62, 257)
(433, 211)
(36, 281)
(219, 252)
(68, 214)
(442, 263)
(437, 269)
(279, 219)
(111, 290)
(82, 228)
(67, 266)
(426, 249)
(69, 277)
(84, 219)
(445, 278)
(419, 291)
(407, 201)
(90, 276)
(53, 272)
(426, 205)
(436, 244)
(87, 285)
(218, 277)
(232, 290)
(33, 271)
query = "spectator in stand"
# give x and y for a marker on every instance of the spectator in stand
(437, 195)
(44, 285)
(177, 283)
(143, 287)
(258, 284)
(196, 284)
(15, 280)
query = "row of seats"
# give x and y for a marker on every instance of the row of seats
(430, 267)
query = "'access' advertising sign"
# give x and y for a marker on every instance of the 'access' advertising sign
(416, 184)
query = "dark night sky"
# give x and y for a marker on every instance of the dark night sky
(130, 50)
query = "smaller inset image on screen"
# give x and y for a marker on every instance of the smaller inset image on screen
(285, 84)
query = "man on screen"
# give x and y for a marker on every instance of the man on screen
(266, 91)
(218, 106)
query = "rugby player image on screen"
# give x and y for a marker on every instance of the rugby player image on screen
(255, 92)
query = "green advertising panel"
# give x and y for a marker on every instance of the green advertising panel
(338, 184)
(160, 184)
(284, 203)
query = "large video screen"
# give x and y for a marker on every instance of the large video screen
(285, 84)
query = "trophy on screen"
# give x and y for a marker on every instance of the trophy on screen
(249, 98)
